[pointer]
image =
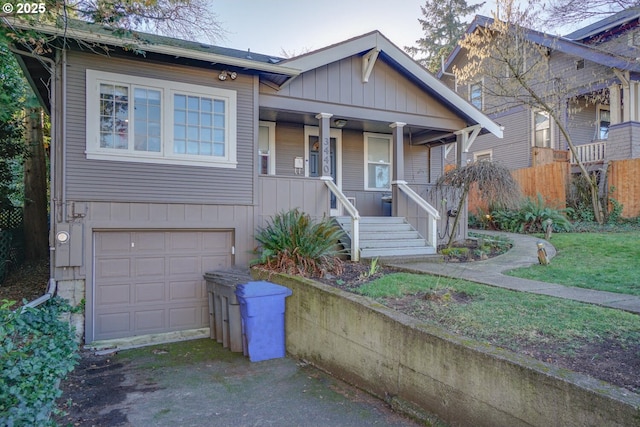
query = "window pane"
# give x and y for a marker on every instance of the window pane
(542, 129)
(193, 103)
(263, 139)
(207, 105)
(179, 146)
(180, 117)
(146, 118)
(180, 102)
(205, 125)
(378, 176)
(206, 119)
(378, 150)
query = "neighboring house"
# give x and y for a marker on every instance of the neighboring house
(166, 158)
(598, 59)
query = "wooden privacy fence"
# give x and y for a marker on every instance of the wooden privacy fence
(550, 180)
(624, 177)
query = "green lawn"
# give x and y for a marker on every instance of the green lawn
(502, 316)
(601, 261)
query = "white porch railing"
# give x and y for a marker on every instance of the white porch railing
(353, 213)
(433, 215)
(587, 153)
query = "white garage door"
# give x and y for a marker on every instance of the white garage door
(148, 282)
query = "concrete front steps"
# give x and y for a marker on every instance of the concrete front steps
(386, 237)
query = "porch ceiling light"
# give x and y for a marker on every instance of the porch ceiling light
(340, 123)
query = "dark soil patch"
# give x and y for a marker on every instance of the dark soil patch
(608, 360)
(27, 282)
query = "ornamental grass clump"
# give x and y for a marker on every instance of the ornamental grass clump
(293, 243)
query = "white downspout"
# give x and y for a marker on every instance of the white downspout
(52, 285)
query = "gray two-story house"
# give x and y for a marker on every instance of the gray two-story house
(167, 157)
(598, 69)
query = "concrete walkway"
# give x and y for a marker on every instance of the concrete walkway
(522, 254)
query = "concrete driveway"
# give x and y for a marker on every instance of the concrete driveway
(199, 383)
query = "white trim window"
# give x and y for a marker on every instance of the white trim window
(603, 122)
(377, 161)
(541, 122)
(146, 120)
(483, 156)
(267, 148)
(475, 94)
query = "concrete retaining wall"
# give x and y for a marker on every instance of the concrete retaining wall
(465, 383)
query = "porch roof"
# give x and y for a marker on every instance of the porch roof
(403, 63)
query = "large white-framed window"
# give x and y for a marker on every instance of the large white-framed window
(475, 94)
(603, 122)
(138, 119)
(377, 161)
(541, 124)
(267, 148)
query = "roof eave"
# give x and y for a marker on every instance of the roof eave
(91, 37)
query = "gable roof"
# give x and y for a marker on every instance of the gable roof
(277, 69)
(403, 63)
(605, 24)
(557, 43)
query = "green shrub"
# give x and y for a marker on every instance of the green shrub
(293, 243)
(37, 350)
(531, 217)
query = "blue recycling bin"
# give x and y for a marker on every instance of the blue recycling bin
(262, 313)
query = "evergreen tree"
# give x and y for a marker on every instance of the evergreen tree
(443, 26)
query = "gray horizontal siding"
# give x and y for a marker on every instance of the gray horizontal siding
(97, 180)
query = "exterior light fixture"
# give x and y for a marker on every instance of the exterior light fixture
(340, 123)
(224, 75)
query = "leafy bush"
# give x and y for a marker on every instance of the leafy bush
(293, 243)
(531, 217)
(37, 350)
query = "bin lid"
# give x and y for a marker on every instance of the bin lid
(261, 289)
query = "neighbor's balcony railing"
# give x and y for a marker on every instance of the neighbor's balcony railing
(589, 153)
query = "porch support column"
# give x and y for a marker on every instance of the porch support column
(398, 163)
(615, 102)
(325, 144)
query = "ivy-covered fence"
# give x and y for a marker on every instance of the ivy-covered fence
(11, 240)
(37, 350)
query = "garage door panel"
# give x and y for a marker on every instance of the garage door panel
(184, 317)
(185, 290)
(157, 285)
(185, 241)
(149, 320)
(153, 292)
(184, 265)
(115, 242)
(115, 294)
(151, 241)
(114, 324)
(216, 243)
(215, 262)
(113, 268)
(149, 267)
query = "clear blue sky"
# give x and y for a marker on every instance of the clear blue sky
(269, 26)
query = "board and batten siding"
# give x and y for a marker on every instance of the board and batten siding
(341, 83)
(100, 180)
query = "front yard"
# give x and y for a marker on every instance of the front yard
(600, 261)
(601, 342)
